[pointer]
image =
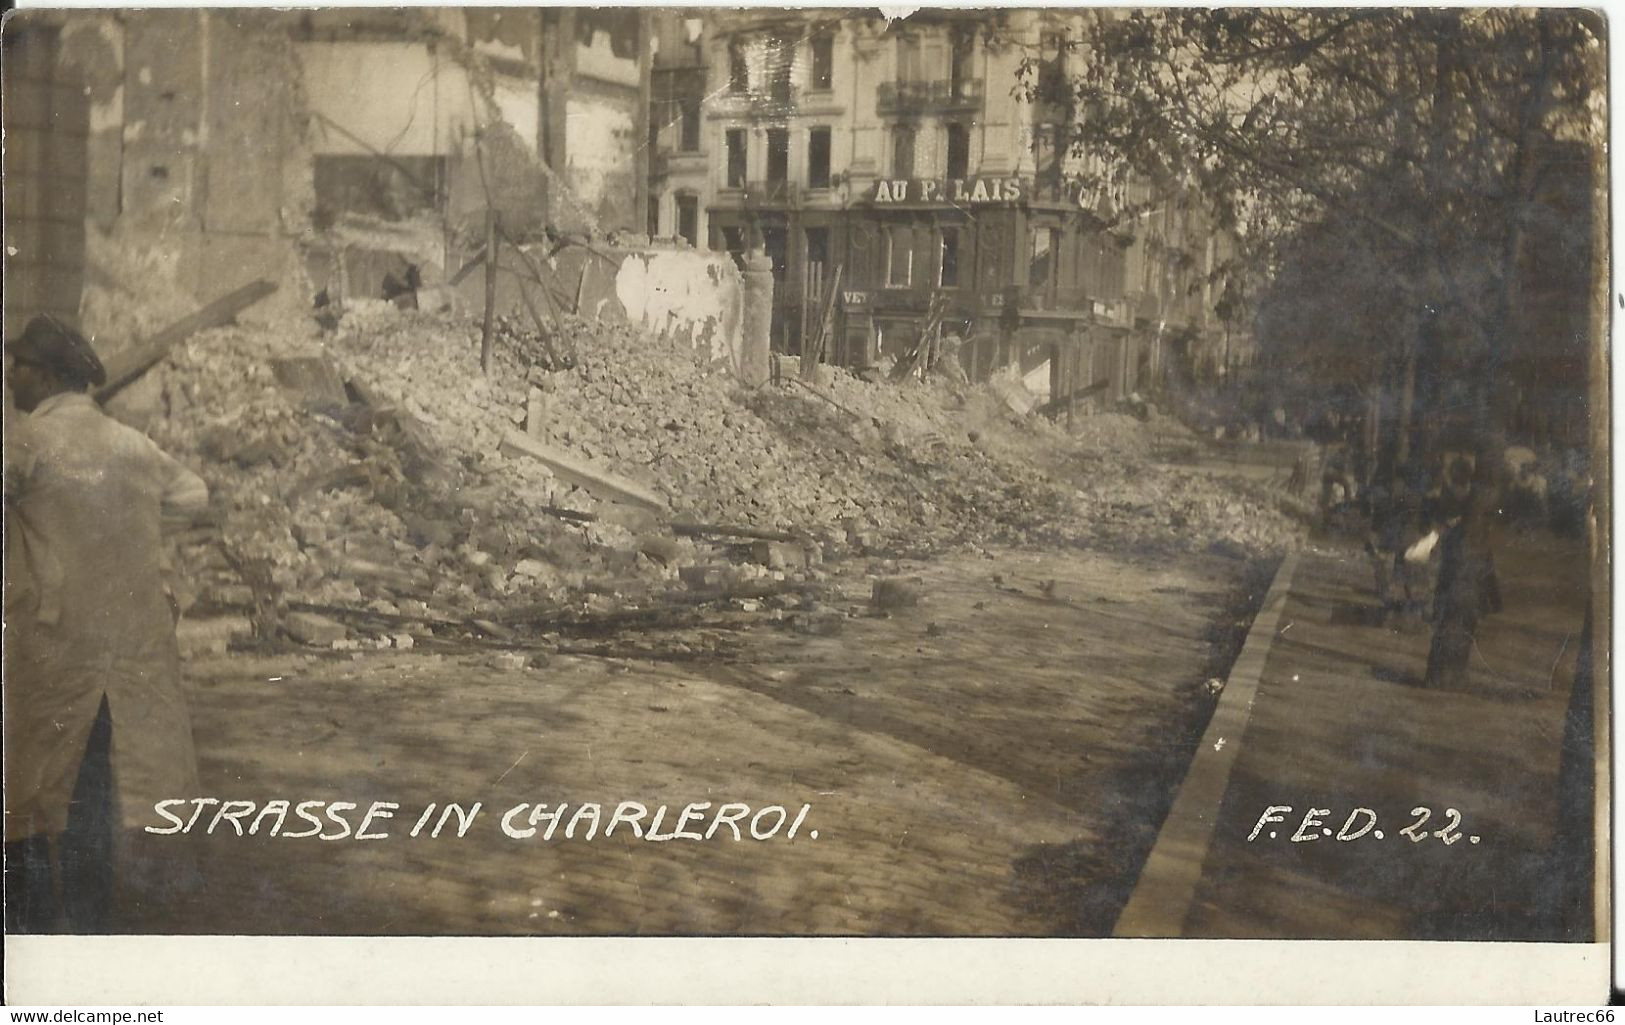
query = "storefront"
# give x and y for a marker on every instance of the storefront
(910, 241)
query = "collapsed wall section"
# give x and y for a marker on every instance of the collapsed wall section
(197, 179)
(689, 296)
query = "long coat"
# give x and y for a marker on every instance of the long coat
(88, 615)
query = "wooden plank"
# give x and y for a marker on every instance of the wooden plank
(145, 354)
(724, 530)
(1064, 401)
(602, 482)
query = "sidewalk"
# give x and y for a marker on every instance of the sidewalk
(1324, 710)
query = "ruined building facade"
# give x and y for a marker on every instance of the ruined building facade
(334, 151)
(193, 151)
(906, 157)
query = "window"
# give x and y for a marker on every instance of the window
(778, 155)
(908, 59)
(948, 265)
(902, 151)
(818, 158)
(1048, 151)
(958, 151)
(1046, 247)
(817, 261)
(823, 61)
(818, 245)
(736, 158)
(654, 216)
(784, 57)
(738, 68)
(688, 218)
(895, 338)
(959, 71)
(1053, 85)
(620, 26)
(773, 243)
(690, 113)
(733, 242)
(899, 256)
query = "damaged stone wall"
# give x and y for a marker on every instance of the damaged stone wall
(219, 138)
(456, 119)
(47, 122)
(692, 297)
(602, 131)
(198, 179)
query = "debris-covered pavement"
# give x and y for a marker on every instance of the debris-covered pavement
(374, 490)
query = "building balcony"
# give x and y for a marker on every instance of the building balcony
(665, 162)
(1093, 199)
(940, 95)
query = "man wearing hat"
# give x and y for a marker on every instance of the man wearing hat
(96, 727)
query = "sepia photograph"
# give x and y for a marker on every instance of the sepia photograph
(1005, 473)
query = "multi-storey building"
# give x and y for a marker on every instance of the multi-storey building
(905, 160)
(680, 176)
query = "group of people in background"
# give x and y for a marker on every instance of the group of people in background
(1427, 527)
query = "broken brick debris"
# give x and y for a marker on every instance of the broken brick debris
(436, 489)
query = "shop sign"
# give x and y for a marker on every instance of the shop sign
(949, 191)
(851, 299)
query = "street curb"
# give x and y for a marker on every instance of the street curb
(1163, 895)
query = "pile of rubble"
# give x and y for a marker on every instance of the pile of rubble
(328, 497)
(375, 468)
(892, 464)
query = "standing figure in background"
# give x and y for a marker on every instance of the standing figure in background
(1395, 506)
(96, 727)
(1467, 587)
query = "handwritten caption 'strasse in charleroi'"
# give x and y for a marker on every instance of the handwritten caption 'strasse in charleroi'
(345, 820)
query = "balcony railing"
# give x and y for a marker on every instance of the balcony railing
(942, 94)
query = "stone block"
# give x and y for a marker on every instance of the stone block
(313, 629)
(896, 593)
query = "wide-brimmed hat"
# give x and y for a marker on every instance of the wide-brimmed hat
(49, 343)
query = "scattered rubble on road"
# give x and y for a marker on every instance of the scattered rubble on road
(374, 473)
